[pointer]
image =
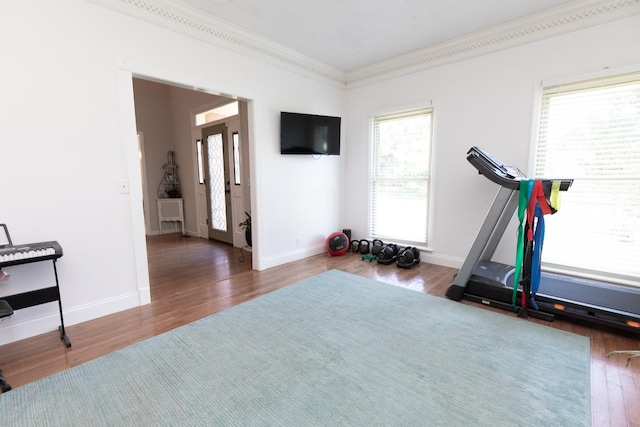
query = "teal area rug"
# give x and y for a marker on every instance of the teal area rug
(335, 349)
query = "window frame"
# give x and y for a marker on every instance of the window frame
(398, 112)
(200, 161)
(584, 81)
(235, 143)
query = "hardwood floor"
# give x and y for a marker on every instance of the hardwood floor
(192, 278)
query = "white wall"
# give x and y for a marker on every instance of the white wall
(488, 102)
(154, 119)
(68, 138)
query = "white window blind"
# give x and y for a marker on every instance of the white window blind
(590, 131)
(400, 187)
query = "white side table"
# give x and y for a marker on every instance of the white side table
(170, 210)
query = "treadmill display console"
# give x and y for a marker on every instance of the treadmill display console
(494, 169)
(499, 173)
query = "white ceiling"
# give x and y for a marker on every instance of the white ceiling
(351, 34)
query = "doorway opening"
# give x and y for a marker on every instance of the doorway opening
(165, 114)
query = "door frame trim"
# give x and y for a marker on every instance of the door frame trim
(125, 71)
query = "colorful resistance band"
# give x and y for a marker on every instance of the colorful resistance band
(523, 201)
(536, 256)
(539, 199)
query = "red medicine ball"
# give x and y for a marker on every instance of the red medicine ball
(337, 243)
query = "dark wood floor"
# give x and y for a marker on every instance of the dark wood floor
(192, 278)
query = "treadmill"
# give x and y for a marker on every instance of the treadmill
(491, 283)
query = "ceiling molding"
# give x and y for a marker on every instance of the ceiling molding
(571, 17)
(179, 17)
(192, 22)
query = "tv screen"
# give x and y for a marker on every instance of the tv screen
(309, 134)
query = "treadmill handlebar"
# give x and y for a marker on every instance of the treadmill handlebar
(501, 174)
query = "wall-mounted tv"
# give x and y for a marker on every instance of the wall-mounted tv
(309, 134)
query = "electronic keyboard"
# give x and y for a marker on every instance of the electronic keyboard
(32, 252)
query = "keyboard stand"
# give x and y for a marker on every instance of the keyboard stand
(5, 311)
(11, 255)
(41, 296)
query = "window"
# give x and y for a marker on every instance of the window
(200, 161)
(217, 113)
(400, 186)
(590, 131)
(235, 138)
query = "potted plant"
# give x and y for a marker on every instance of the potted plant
(246, 226)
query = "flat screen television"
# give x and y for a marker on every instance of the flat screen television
(309, 134)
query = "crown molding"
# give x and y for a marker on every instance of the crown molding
(189, 21)
(573, 16)
(184, 19)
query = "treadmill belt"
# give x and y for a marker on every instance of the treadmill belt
(614, 297)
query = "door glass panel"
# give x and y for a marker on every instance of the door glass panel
(218, 205)
(236, 158)
(200, 161)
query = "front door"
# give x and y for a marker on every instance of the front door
(217, 179)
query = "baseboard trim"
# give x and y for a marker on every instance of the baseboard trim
(16, 329)
(268, 262)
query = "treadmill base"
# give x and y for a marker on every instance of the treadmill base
(586, 300)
